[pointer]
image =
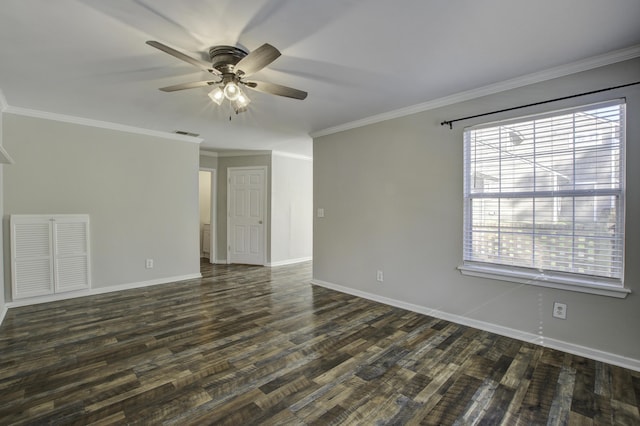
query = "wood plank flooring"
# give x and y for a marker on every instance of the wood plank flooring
(252, 345)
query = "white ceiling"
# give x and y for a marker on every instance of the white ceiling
(356, 58)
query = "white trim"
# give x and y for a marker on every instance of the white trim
(289, 261)
(100, 290)
(257, 152)
(595, 354)
(221, 261)
(99, 124)
(544, 280)
(205, 153)
(291, 155)
(525, 80)
(242, 153)
(213, 218)
(3, 313)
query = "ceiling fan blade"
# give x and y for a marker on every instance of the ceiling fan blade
(193, 61)
(276, 89)
(256, 60)
(192, 85)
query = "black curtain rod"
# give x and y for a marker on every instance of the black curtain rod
(450, 122)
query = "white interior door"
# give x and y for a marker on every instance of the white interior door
(246, 202)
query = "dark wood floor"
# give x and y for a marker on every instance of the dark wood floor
(253, 345)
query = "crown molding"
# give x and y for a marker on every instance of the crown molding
(537, 77)
(98, 124)
(206, 153)
(242, 153)
(291, 155)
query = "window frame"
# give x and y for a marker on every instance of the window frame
(612, 287)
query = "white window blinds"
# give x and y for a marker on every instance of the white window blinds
(545, 193)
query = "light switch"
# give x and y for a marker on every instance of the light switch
(320, 212)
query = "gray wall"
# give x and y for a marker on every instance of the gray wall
(292, 208)
(140, 191)
(289, 201)
(240, 161)
(208, 162)
(392, 194)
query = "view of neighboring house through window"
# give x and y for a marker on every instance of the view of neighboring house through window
(544, 194)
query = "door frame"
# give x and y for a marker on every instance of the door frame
(264, 211)
(213, 225)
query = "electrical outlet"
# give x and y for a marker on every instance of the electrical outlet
(379, 276)
(149, 264)
(559, 310)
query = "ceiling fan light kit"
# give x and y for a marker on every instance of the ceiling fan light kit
(229, 66)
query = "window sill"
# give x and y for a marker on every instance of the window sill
(543, 279)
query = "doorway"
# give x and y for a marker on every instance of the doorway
(207, 200)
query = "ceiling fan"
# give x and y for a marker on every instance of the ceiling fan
(230, 66)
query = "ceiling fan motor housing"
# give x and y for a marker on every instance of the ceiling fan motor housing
(224, 58)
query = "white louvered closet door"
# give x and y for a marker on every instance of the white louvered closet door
(31, 258)
(71, 254)
(49, 254)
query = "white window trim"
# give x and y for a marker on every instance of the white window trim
(551, 279)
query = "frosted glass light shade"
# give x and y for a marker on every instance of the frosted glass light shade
(231, 91)
(242, 100)
(217, 95)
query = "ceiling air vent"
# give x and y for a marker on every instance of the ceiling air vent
(182, 132)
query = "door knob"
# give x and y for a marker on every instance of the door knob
(260, 222)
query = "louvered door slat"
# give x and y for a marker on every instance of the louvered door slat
(71, 238)
(33, 278)
(72, 273)
(33, 240)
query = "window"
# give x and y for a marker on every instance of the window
(544, 199)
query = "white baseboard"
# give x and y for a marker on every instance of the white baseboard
(3, 313)
(572, 348)
(289, 261)
(99, 290)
